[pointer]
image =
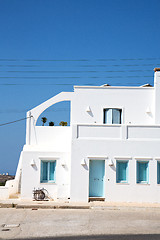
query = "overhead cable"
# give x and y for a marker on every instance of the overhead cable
(3, 124)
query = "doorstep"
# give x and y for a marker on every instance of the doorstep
(93, 199)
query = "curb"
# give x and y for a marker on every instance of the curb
(8, 205)
(76, 206)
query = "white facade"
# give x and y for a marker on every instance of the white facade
(134, 141)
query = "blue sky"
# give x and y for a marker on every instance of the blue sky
(47, 46)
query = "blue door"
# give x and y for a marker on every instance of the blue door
(96, 178)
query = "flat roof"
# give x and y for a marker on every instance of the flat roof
(113, 87)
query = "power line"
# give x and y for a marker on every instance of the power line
(44, 60)
(76, 77)
(36, 84)
(25, 110)
(89, 71)
(89, 66)
(120, 65)
(43, 84)
(127, 59)
(3, 124)
(77, 60)
(70, 84)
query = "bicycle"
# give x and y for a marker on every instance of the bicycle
(40, 194)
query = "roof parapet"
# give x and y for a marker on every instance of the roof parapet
(105, 85)
(146, 85)
(156, 69)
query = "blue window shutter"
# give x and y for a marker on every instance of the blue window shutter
(142, 172)
(158, 172)
(137, 172)
(112, 116)
(116, 116)
(108, 116)
(122, 168)
(44, 171)
(52, 171)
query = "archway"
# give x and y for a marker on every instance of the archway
(59, 112)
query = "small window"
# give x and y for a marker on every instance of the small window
(112, 116)
(122, 171)
(158, 172)
(48, 171)
(142, 172)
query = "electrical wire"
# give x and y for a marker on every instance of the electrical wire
(76, 77)
(90, 71)
(3, 124)
(76, 60)
(93, 65)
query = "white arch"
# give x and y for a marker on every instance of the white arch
(36, 112)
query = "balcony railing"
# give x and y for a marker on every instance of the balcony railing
(56, 136)
(117, 131)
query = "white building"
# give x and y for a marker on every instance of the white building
(111, 150)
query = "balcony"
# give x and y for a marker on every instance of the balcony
(117, 131)
(56, 137)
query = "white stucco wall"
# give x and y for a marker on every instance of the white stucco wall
(31, 174)
(46, 143)
(133, 102)
(138, 137)
(4, 192)
(132, 149)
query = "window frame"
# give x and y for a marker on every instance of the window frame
(158, 172)
(138, 181)
(118, 162)
(48, 171)
(121, 111)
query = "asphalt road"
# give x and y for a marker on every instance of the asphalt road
(103, 237)
(98, 224)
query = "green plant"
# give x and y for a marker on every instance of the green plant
(62, 123)
(51, 123)
(2, 183)
(44, 120)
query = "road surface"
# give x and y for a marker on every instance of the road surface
(88, 224)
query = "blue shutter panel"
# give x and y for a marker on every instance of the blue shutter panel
(52, 170)
(112, 116)
(142, 172)
(44, 171)
(124, 168)
(108, 116)
(48, 171)
(158, 172)
(116, 116)
(122, 171)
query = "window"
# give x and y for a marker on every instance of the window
(112, 116)
(122, 171)
(158, 172)
(142, 172)
(48, 171)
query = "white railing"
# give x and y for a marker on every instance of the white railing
(116, 131)
(59, 136)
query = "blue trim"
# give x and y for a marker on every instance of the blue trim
(96, 178)
(142, 172)
(112, 115)
(47, 180)
(158, 172)
(121, 171)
